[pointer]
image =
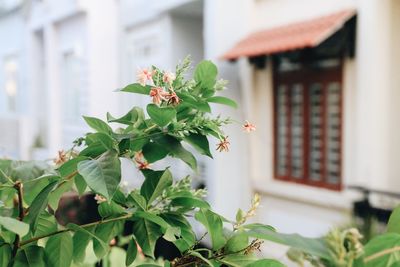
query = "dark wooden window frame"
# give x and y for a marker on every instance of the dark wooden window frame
(306, 77)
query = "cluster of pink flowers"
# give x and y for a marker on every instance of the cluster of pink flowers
(158, 94)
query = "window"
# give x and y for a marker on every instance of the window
(307, 135)
(72, 83)
(10, 69)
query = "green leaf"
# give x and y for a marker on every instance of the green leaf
(59, 250)
(153, 218)
(154, 152)
(15, 226)
(93, 150)
(5, 254)
(31, 256)
(382, 251)
(46, 224)
(138, 200)
(213, 223)
(27, 170)
(138, 143)
(223, 100)
(133, 116)
(33, 187)
(102, 175)
(239, 215)
(200, 143)
(137, 88)
(161, 116)
(313, 246)
(154, 184)
(56, 194)
(172, 234)
(206, 74)
(39, 204)
(98, 125)
(266, 263)
(102, 233)
(177, 150)
(394, 221)
(237, 242)
(131, 252)
(100, 138)
(105, 232)
(188, 237)
(238, 260)
(110, 209)
(70, 166)
(198, 255)
(146, 233)
(80, 184)
(80, 241)
(189, 202)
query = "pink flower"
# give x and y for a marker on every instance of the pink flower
(158, 94)
(100, 199)
(249, 127)
(172, 98)
(144, 75)
(142, 164)
(169, 77)
(61, 158)
(223, 145)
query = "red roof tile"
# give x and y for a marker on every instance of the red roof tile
(294, 36)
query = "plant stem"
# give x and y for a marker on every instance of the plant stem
(19, 187)
(127, 216)
(194, 260)
(381, 253)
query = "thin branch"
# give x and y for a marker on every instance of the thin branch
(188, 259)
(21, 214)
(381, 253)
(127, 216)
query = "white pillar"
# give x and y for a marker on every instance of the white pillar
(54, 105)
(102, 57)
(373, 93)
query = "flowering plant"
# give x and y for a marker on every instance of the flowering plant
(131, 224)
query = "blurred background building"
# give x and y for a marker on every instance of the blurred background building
(318, 78)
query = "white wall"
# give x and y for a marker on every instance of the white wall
(187, 38)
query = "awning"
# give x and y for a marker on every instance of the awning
(305, 34)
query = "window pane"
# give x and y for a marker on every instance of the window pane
(333, 133)
(296, 120)
(11, 82)
(72, 86)
(282, 130)
(315, 137)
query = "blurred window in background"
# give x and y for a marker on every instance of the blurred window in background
(11, 82)
(71, 74)
(308, 121)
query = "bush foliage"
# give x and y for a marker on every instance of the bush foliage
(132, 222)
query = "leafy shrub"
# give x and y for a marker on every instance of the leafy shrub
(180, 113)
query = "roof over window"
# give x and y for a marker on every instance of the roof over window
(295, 36)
